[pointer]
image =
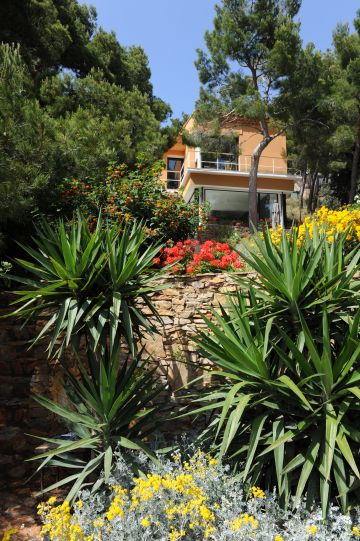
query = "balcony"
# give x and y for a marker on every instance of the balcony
(224, 163)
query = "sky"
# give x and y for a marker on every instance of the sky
(170, 32)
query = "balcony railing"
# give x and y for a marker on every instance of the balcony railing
(213, 161)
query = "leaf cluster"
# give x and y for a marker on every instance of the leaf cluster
(288, 365)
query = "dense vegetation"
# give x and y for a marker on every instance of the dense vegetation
(72, 100)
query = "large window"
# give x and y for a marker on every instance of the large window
(174, 166)
(228, 206)
(232, 206)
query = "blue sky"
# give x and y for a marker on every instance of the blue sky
(170, 32)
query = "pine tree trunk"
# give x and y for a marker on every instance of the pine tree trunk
(302, 190)
(253, 173)
(355, 168)
(310, 202)
(316, 192)
(253, 195)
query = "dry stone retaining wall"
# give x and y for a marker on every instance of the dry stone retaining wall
(25, 371)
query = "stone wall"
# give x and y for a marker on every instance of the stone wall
(25, 371)
(179, 306)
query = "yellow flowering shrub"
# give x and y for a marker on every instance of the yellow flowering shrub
(193, 500)
(327, 222)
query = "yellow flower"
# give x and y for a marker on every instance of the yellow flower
(145, 522)
(244, 520)
(8, 534)
(356, 531)
(51, 500)
(257, 493)
(175, 535)
(312, 530)
(278, 538)
(208, 532)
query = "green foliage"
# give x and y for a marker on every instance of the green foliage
(51, 33)
(110, 407)
(300, 277)
(88, 284)
(136, 194)
(287, 415)
(72, 100)
(286, 404)
(26, 142)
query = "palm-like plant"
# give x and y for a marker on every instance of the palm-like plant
(295, 277)
(88, 283)
(286, 411)
(112, 405)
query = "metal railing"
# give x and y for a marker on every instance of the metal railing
(224, 162)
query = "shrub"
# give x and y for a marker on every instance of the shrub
(111, 404)
(194, 500)
(88, 283)
(301, 321)
(191, 257)
(293, 277)
(328, 222)
(134, 195)
(285, 407)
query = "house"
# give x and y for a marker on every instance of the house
(222, 178)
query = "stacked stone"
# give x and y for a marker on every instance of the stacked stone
(25, 372)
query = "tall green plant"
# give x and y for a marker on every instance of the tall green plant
(285, 411)
(293, 278)
(88, 284)
(110, 406)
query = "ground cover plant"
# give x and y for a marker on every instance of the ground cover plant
(134, 194)
(192, 257)
(193, 499)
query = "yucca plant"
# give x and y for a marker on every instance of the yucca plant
(299, 277)
(284, 412)
(88, 283)
(111, 406)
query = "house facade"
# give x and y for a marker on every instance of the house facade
(222, 178)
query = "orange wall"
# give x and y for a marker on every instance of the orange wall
(273, 159)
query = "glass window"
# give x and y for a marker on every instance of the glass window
(266, 201)
(174, 166)
(228, 206)
(232, 206)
